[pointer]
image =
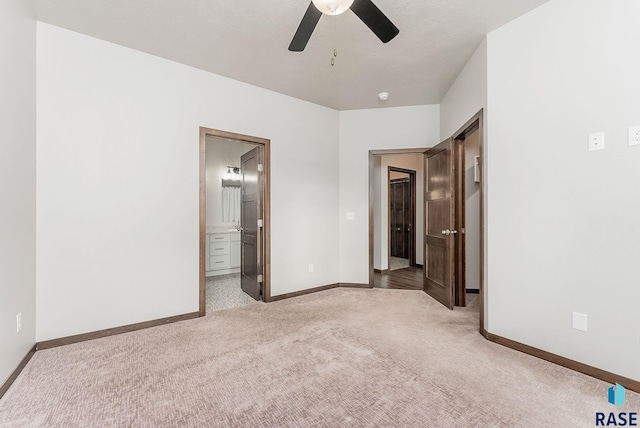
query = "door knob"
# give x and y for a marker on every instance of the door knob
(446, 232)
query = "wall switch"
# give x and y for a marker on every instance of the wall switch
(634, 135)
(310, 267)
(19, 322)
(580, 321)
(596, 141)
(351, 216)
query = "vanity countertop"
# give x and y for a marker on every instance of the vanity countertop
(215, 230)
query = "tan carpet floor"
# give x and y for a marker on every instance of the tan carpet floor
(342, 357)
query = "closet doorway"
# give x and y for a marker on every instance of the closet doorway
(402, 218)
(234, 220)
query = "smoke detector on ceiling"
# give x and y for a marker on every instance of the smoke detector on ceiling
(383, 96)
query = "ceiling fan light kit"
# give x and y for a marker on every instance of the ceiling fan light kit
(368, 13)
(332, 7)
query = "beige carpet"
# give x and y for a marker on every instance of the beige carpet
(343, 357)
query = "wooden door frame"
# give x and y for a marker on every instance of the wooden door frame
(412, 190)
(476, 123)
(372, 154)
(266, 195)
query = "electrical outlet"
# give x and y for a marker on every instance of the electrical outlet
(634, 135)
(579, 321)
(19, 322)
(351, 216)
(310, 267)
(596, 141)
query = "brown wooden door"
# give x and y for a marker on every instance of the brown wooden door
(400, 216)
(251, 212)
(440, 231)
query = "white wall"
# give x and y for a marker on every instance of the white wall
(361, 131)
(117, 177)
(472, 212)
(381, 200)
(467, 95)
(17, 182)
(563, 221)
(220, 153)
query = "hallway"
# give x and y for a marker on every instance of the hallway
(402, 279)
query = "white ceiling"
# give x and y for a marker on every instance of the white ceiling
(247, 40)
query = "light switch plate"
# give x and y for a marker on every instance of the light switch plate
(634, 135)
(596, 141)
(579, 321)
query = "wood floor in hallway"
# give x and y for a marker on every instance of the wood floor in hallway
(402, 279)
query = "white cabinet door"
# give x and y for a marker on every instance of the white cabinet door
(235, 254)
(223, 253)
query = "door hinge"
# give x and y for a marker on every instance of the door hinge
(260, 223)
(260, 167)
(260, 279)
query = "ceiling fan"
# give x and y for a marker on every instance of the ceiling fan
(364, 9)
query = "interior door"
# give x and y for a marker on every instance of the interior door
(250, 214)
(400, 213)
(439, 251)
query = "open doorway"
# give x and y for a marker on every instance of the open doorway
(468, 266)
(452, 219)
(402, 217)
(234, 220)
(396, 219)
(469, 216)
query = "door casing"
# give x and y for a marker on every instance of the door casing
(266, 195)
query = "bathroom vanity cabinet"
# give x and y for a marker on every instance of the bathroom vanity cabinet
(223, 253)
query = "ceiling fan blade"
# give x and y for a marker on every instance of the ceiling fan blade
(307, 25)
(375, 20)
